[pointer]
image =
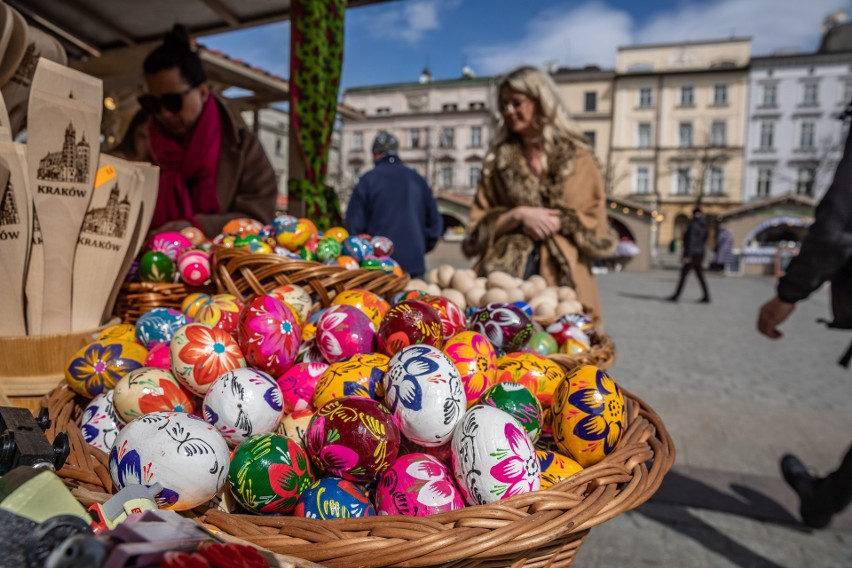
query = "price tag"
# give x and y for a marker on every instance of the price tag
(105, 175)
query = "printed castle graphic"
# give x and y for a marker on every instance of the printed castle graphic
(8, 208)
(71, 164)
(111, 220)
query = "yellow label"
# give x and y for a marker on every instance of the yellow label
(104, 175)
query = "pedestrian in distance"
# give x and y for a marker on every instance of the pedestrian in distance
(395, 201)
(694, 245)
(724, 249)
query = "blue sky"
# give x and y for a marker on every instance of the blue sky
(391, 42)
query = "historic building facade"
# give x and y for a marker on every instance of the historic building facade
(71, 164)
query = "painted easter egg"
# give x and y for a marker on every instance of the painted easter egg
(171, 244)
(120, 332)
(269, 335)
(524, 307)
(201, 354)
(309, 331)
(354, 438)
(360, 375)
(294, 426)
(268, 473)
(339, 234)
(221, 311)
(149, 390)
(181, 452)
(258, 247)
(294, 235)
(452, 317)
(241, 403)
(474, 357)
(424, 392)
(309, 352)
(333, 498)
(100, 423)
(192, 303)
(373, 306)
(567, 326)
(194, 267)
(493, 458)
(98, 366)
(344, 331)
(159, 326)
(296, 298)
(357, 248)
(555, 467)
(243, 241)
(410, 322)
(328, 248)
(408, 295)
(194, 235)
(506, 326)
(282, 221)
(573, 346)
(267, 232)
(347, 262)
(160, 357)
(417, 485)
(537, 373)
(382, 246)
(588, 415)
(371, 263)
(517, 401)
(242, 227)
(156, 267)
(307, 254)
(542, 343)
(298, 384)
(390, 266)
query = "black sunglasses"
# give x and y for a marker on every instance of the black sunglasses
(172, 102)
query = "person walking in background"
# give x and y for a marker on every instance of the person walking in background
(826, 255)
(395, 201)
(540, 205)
(694, 244)
(724, 249)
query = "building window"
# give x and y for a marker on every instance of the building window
(476, 136)
(716, 181)
(683, 179)
(447, 136)
(450, 107)
(414, 133)
(764, 181)
(810, 94)
(767, 135)
(474, 173)
(687, 96)
(590, 101)
(383, 110)
(770, 96)
(644, 135)
(446, 176)
(718, 133)
(807, 135)
(643, 180)
(590, 136)
(358, 141)
(645, 97)
(279, 145)
(685, 135)
(720, 94)
(805, 181)
(476, 106)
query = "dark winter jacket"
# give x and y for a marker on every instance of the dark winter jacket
(394, 201)
(695, 238)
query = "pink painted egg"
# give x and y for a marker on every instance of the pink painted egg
(475, 358)
(298, 384)
(452, 317)
(343, 331)
(160, 357)
(417, 485)
(309, 352)
(269, 335)
(243, 402)
(149, 390)
(201, 354)
(194, 267)
(170, 243)
(221, 311)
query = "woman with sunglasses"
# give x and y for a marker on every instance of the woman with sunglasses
(212, 169)
(539, 208)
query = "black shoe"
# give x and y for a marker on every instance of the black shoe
(805, 486)
(672, 299)
(704, 301)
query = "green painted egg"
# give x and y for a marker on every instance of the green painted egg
(327, 249)
(518, 401)
(156, 267)
(245, 240)
(372, 264)
(542, 343)
(307, 254)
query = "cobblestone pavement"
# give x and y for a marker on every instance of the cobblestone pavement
(734, 402)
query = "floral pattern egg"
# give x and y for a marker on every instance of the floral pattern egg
(555, 467)
(156, 267)
(474, 357)
(160, 357)
(353, 438)
(537, 373)
(452, 317)
(169, 243)
(560, 329)
(506, 326)
(192, 303)
(298, 384)
(372, 305)
(360, 375)
(517, 401)
(344, 331)
(98, 366)
(149, 390)
(382, 246)
(417, 485)
(309, 352)
(334, 498)
(194, 267)
(409, 322)
(269, 335)
(268, 473)
(588, 415)
(120, 332)
(181, 452)
(243, 402)
(100, 423)
(159, 326)
(201, 354)
(294, 426)
(493, 457)
(424, 392)
(573, 346)
(222, 311)
(295, 297)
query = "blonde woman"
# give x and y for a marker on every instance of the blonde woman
(540, 206)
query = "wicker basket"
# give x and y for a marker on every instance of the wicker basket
(543, 528)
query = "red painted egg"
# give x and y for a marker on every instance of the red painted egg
(452, 317)
(410, 322)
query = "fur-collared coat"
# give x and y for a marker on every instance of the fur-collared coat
(572, 183)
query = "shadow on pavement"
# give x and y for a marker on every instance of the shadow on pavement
(643, 296)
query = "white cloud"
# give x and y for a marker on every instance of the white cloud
(409, 21)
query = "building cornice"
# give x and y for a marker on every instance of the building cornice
(446, 114)
(446, 83)
(743, 69)
(800, 59)
(683, 43)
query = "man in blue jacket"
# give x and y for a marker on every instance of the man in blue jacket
(395, 201)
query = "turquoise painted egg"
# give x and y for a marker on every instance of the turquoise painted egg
(159, 326)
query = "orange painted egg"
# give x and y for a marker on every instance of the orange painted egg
(474, 357)
(372, 305)
(535, 372)
(555, 467)
(242, 227)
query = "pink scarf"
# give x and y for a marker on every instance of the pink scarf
(187, 168)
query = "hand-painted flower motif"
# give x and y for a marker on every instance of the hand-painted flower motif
(506, 326)
(221, 311)
(98, 366)
(298, 384)
(409, 322)
(159, 326)
(539, 374)
(517, 401)
(360, 375)
(269, 335)
(201, 354)
(452, 317)
(519, 470)
(417, 485)
(344, 331)
(333, 498)
(476, 361)
(172, 398)
(149, 390)
(100, 423)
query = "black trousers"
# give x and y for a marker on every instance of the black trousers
(834, 492)
(693, 264)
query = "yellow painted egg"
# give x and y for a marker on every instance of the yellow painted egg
(555, 467)
(588, 415)
(474, 357)
(309, 330)
(360, 375)
(574, 346)
(294, 235)
(339, 234)
(372, 305)
(192, 303)
(537, 373)
(296, 298)
(97, 367)
(119, 332)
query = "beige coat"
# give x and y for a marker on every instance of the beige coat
(572, 184)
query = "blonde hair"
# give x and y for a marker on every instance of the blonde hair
(556, 125)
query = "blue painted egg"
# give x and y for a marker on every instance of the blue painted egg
(334, 498)
(159, 326)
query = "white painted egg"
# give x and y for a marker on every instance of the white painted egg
(101, 423)
(243, 402)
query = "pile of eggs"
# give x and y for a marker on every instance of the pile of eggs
(367, 406)
(172, 256)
